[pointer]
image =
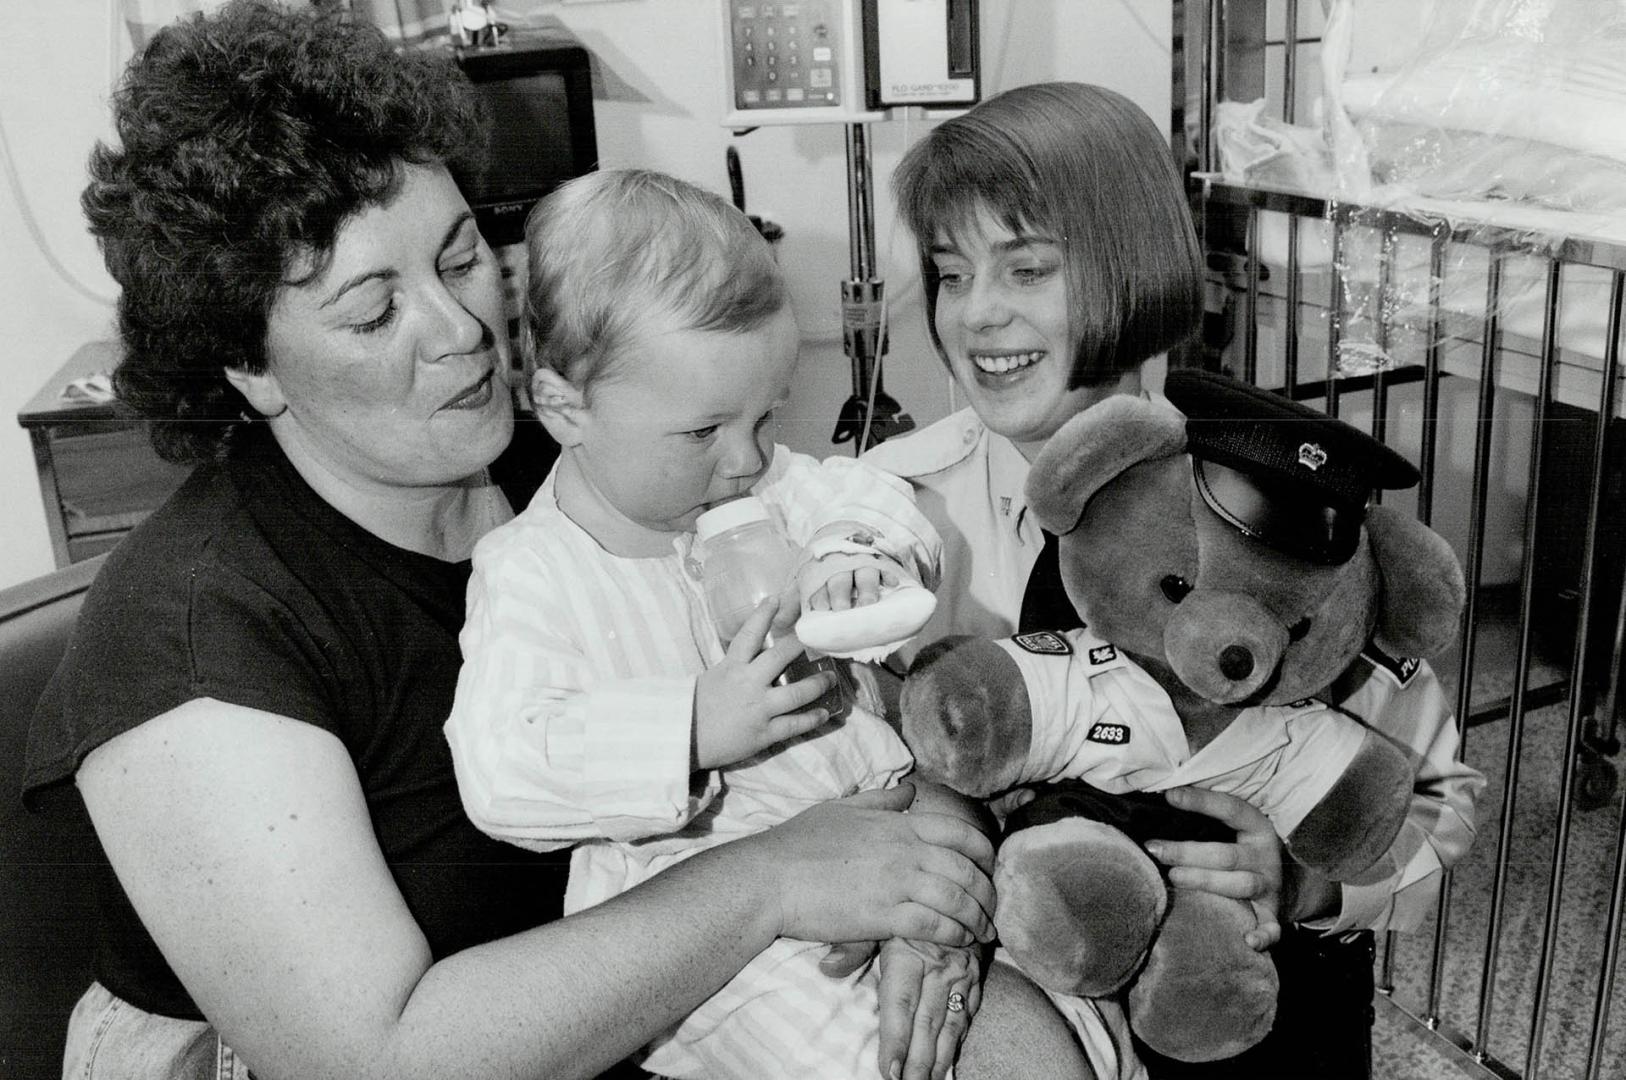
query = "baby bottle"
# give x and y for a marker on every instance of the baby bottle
(748, 558)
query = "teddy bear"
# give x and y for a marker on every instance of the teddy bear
(1230, 566)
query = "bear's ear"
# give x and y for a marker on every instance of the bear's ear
(1094, 447)
(1423, 590)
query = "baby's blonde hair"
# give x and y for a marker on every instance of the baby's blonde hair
(611, 252)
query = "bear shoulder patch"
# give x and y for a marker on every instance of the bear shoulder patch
(1402, 668)
(1044, 642)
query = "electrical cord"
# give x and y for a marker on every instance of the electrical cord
(1165, 47)
(15, 182)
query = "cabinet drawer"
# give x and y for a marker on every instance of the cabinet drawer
(109, 478)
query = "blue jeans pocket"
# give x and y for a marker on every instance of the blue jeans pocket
(110, 1039)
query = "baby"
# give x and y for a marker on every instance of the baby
(597, 705)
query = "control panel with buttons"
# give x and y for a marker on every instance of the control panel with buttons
(785, 55)
(793, 61)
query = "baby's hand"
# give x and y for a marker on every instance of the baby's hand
(928, 995)
(849, 580)
(738, 711)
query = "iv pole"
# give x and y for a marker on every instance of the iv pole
(870, 415)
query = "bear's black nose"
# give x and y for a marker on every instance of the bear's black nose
(1235, 662)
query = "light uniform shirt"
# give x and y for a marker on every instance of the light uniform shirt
(969, 481)
(1099, 717)
(1402, 698)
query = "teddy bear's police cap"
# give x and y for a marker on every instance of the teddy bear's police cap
(1280, 471)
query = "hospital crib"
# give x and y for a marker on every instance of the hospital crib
(1491, 356)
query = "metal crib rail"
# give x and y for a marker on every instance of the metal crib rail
(1472, 1048)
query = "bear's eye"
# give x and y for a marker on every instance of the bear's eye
(1174, 587)
(1298, 629)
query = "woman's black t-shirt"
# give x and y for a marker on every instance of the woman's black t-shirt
(248, 588)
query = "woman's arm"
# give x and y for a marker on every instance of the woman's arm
(920, 1035)
(245, 844)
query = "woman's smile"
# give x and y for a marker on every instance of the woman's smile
(1000, 363)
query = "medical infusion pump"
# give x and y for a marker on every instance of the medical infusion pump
(847, 61)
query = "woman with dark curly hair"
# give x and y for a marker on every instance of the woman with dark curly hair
(251, 710)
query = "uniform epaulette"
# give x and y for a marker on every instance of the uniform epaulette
(932, 449)
(1401, 668)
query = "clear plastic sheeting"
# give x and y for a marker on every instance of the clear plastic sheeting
(1499, 137)
(1512, 99)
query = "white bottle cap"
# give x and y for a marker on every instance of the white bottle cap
(729, 515)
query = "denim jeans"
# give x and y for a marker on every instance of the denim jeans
(110, 1039)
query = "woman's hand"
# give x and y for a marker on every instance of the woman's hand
(857, 869)
(929, 993)
(1249, 869)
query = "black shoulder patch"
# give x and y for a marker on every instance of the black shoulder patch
(1112, 734)
(1103, 654)
(1403, 668)
(1045, 643)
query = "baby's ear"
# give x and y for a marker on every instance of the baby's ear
(558, 405)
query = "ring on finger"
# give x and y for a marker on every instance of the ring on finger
(956, 1002)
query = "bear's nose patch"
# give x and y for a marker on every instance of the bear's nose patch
(1235, 662)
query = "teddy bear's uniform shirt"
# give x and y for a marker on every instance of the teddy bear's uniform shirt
(1403, 700)
(1099, 717)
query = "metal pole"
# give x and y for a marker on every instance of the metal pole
(1472, 572)
(1521, 670)
(863, 332)
(1290, 60)
(869, 415)
(860, 204)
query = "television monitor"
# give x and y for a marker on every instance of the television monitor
(540, 98)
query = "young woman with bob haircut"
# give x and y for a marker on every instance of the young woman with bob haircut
(1060, 267)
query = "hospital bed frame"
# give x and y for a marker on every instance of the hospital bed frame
(1223, 52)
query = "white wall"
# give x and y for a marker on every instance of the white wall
(669, 50)
(53, 105)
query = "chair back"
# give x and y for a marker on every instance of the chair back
(48, 863)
